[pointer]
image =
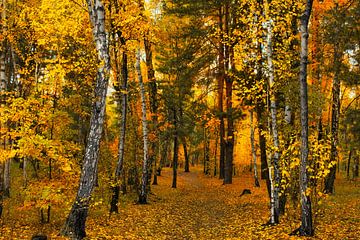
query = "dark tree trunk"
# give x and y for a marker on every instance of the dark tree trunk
(335, 110)
(253, 149)
(75, 222)
(356, 167)
(187, 164)
(306, 228)
(176, 150)
(120, 182)
(262, 145)
(229, 152)
(348, 164)
(153, 106)
(221, 79)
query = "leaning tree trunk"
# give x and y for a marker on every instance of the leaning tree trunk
(306, 228)
(276, 188)
(253, 150)
(145, 168)
(119, 172)
(75, 223)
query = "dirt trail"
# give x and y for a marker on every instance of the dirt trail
(200, 208)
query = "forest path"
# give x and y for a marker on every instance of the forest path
(201, 207)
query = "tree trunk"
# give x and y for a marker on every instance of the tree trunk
(1, 187)
(253, 150)
(221, 79)
(75, 223)
(262, 146)
(3, 78)
(25, 177)
(335, 110)
(153, 105)
(7, 178)
(306, 228)
(356, 167)
(229, 152)
(348, 164)
(274, 128)
(146, 165)
(187, 164)
(119, 172)
(176, 150)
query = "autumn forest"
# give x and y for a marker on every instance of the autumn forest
(179, 119)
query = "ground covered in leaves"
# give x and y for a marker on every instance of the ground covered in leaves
(200, 208)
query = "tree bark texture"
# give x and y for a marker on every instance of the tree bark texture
(7, 178)
(273, 112)
(153, 104)
(146, 165)
(306, 228)
(187, 162)
(262, 145)
(119, 172)
(253, 150)
(221, 79)
(335, 111)
(229, 151)
(2, 167)
(75, 223)
(176, 150)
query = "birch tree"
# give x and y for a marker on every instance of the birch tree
(306, 228)
(273, 111)
(75, 223)
(145, 167)
(253, 149)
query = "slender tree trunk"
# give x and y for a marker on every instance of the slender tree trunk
(262, 145)
(274, 128)
(7, 178)
(3, 78)
(176, 150)
(187, 167)
(215, 154)
(335, 110)
(146, 165)
(306, 228)
(253, 150)
(25, 177)
(221, 79)
(75, 223)
(153, 104)
(348, 163)
(1, 188)
(119, 172)
(229, 152)
(356, 167)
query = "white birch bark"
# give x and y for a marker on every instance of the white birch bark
(253, 149)
(273, 113)
(144, 178)
(75, 223)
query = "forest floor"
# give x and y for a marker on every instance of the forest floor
(200, 208)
